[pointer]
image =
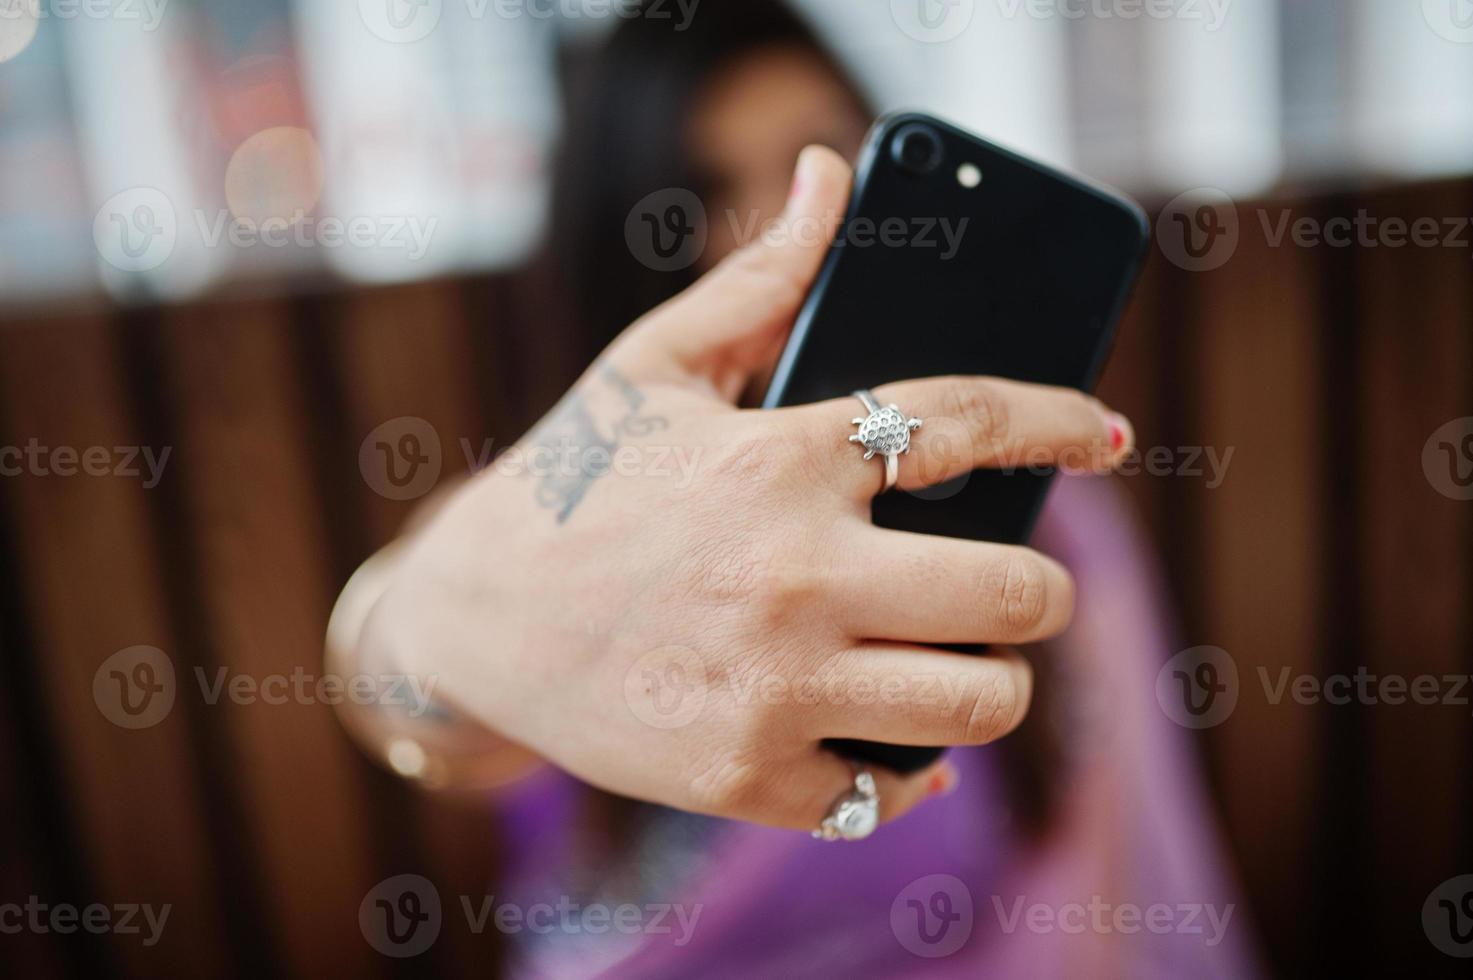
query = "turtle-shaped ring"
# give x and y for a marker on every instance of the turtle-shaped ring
(885, 431)
(856, 814)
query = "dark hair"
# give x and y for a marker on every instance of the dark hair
(624, 139)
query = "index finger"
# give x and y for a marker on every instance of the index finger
(968, 423)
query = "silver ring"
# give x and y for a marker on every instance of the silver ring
(856, 814)
(884, 432)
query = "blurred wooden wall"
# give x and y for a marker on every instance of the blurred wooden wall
(1325, 548)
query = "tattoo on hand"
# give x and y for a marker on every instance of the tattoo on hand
(580, 452)
(633, 423)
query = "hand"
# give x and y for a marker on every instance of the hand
(677, 600)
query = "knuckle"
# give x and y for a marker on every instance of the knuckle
(984, 408)
(785, 589)
(990, 713)
(751, 458)
(755, 568)
(811, 447)
(732, 786)
(759, 269)
(737, 550)
(1018, 591)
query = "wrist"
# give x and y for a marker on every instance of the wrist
(376, 631)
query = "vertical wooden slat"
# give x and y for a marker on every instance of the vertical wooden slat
(1418, 349)
(93, 586)
(1128, 384)
(1339, 906)
(25, 952)
(497, 338)
(1181, 307)
(36, 821)
(406, 351)
(265, 590)
(1259, 561)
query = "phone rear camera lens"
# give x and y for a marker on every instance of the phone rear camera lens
(917, 149)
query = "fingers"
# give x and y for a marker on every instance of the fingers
(928, 589)
(799, 795)
(732, 322)
(883, 692)
(904, 694)
(971, 423)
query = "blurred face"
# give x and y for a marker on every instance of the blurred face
(748, 125)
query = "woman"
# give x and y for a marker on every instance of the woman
(687, 636)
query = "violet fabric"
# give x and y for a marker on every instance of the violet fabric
(1128, 882)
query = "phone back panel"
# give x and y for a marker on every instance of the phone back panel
(1023, 276)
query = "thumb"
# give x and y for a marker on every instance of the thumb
(728, 325)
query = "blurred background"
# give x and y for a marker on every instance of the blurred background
(236, 239)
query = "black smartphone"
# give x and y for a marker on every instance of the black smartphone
(957, 256)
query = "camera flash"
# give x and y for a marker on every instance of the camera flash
(968, 175)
